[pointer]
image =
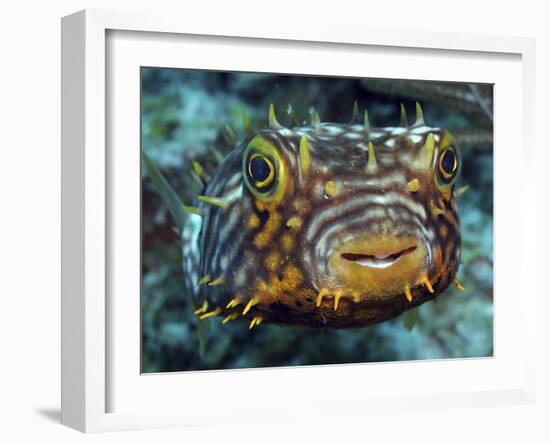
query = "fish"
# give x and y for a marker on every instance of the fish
(326, 225)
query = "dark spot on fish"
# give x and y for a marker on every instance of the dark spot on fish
(263, 215)
(279, 307)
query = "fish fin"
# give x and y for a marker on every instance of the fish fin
(203, 327)
(167, 193)
(462, 190)
(229, 136)
(410, 318)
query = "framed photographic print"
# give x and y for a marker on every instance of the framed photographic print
(296, 217)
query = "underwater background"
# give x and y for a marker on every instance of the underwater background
(197, 115)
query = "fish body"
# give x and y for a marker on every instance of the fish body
(326, 225)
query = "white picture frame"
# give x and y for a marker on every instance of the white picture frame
(87, 356)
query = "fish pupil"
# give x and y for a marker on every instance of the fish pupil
(448, 162)
(259, 169)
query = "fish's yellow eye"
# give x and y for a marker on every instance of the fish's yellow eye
(264, 171)
(260, 172)
(447, 165)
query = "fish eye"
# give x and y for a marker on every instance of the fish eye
(260, 172)
(264, 171)
(447, 165)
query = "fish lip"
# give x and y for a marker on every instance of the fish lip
(377, 260)
(403, 259)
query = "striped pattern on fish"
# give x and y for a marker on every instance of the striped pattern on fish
(327, 225)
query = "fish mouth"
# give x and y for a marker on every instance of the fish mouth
(377, 266)
(378, 260)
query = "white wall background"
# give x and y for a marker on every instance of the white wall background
(30, 217)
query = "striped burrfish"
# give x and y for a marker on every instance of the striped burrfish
(325, 225)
